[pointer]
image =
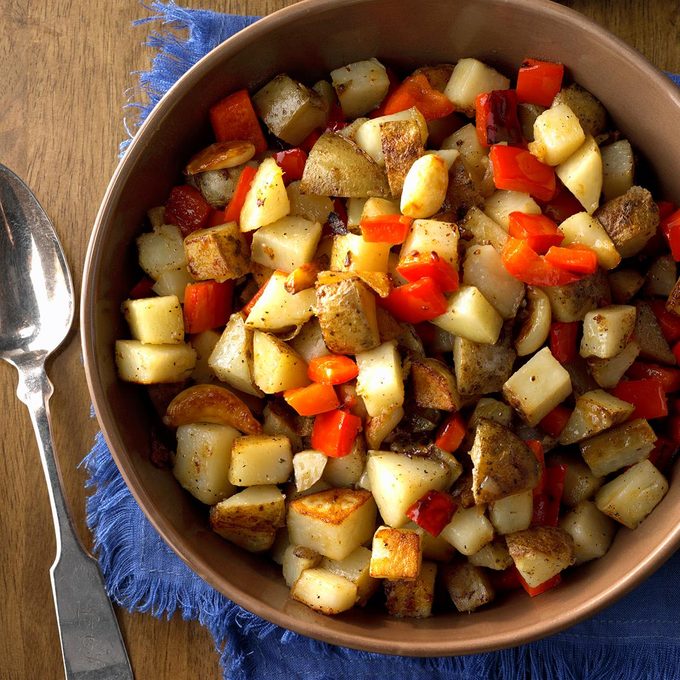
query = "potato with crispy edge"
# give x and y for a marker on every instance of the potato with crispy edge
(402, 145)
(433, 385)
(395, 554)
(588, 109)
(218, 253)
(412, 598)
(595, 411)
(355, 568)
(468, 586)
(324, 592)
(482, 368)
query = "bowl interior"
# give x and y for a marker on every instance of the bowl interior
(307, 41)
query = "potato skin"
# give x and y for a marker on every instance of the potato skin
(218, 253)
(573, 301)
(480, 368)
(434, 385)
(588, 109)
(462, 193)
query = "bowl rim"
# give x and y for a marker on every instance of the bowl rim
(252, 33)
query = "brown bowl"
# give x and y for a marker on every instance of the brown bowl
(307, 40)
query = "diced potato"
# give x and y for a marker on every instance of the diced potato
(580, 484)
(347, 316)
(280, 419)
(412, 598)
(250, 518)
(503, 465)
(277, 309)
(324, 591)
(581, 173)
(260, 459)
(204, 344)
(155, 320)
(608, 372)
(432, 236)
(625, 283)
(350, 252)
(395, 554)
(424, 187)
(630, 220)
(661, 276)
(277, 367)
(536, 323)
(649, 336)
(586, 230)
(376, 207)
(380, 382)
(474, 155)
(369, 135)
(347, 471)
(469, 530)
(296, 559)
(401, 146)
(433, 547)
(310, 206)
(490, 409)
(571, 302)
(334, 522)
(355, 568)
(398, 481)
(501, 203)
(360, 86)
(591, 114)
(484, 230)
(557, 134)
(161, 250)
(286, 244)
(293, 494)
(267, 200)
(512, 513)
(493, 555)
(219, 253)
(172, 282)
(470, 78)
(308, 343)
(217, 184)
(591, 530)
(336, 166)
(631, 496)
(618, 166)
(606, 331)
(289, 109)
(468, 586)
(595, 412)
(147, 364)
(156, 216)
(537, 387)
(308, 467)
(618, 447)
(541, 553)
(378, 427)
(433, 385)
(203, 458)
(483, 268)
(471, 316)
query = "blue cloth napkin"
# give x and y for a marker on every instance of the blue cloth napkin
(635, 639)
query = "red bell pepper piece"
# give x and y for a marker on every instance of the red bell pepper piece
(539, 231)
(578, 259)
(334, 433)
(187, 208)
(414, 266)
(669, 322)
(555, 421)
(234, 118)
(391, 229)
(541, 587)
(312, 400)
(508, 579)
(666, 208)
(217, 217)
(142, 289)
(669, 377)
(433, 511)
(417, 91)
(670, 227)
(563, 205)
(496, 118)
(517, 170)
(451, 433)
(310, 140)
(292, 162)
(233, 211)
(525, 264)
(663, 453)
(332, 369)
(647, 395)
(537, 449)
(539, 81)
(563, 337)
(421, 300)
(676, 351)
(207, 304)
(547, 502)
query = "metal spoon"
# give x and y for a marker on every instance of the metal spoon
(36, 313)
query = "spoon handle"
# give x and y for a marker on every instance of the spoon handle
(91, 642)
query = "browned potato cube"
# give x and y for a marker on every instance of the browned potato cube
(571, 302)
(468, 586)
(462, 193)
(482, 368)
(434, 385)
(588, 109)
(218, 253)
(648, 335)
(346, 312)
(396, 554)
(402, 145)
(412, 598)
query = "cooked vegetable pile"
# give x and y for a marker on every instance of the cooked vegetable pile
(409, 330)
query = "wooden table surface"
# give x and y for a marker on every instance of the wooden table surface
(66, 66)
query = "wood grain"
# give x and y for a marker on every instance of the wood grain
(66, 66)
